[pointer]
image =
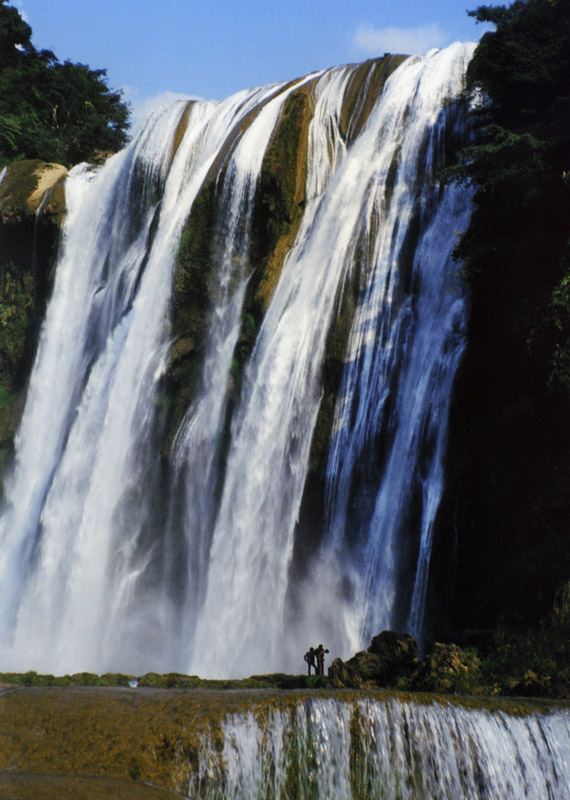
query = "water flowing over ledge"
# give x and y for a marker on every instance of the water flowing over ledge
(237, 745)
(154, 516)
(338, 750)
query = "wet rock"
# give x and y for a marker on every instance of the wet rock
(362, 671)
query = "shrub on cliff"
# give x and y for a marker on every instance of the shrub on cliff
(54, 111)
(533, 661)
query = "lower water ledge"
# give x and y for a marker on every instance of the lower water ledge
(233, 744)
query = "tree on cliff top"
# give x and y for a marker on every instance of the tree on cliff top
(62, 112)
(520, 165)
(15, 35)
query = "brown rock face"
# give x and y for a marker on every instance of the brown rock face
(362, 671)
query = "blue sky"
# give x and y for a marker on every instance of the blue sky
(212, 48)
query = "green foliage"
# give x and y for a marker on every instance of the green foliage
(15, 35)
(16, 307)
(533, 661)
(522, 72)
(523, 67)
(559, 319)
(7, 398)
(467, 677)
(54, 111)
(316, 682)
(506, 161)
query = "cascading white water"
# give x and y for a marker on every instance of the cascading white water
(340, 749)
(243, 621)
(87, 540)
(242, 617)
(79, 498)
(196, 445)
(385, 476)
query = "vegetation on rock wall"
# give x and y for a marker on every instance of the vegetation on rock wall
(28, 245)
(279, 199)
(191, 300)
(61, 112)
(49, 112)
(504, 533)
(363, 91)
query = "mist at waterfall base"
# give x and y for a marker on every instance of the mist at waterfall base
(117, 557)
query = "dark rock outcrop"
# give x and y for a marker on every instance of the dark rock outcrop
(390, 661)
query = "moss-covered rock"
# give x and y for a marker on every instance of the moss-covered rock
(32, 206)
(448, 669)
(280, 198)
(362, 92)
(191, 301)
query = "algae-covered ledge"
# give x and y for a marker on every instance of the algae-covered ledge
(155, 738)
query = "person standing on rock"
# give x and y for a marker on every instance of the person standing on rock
(310, 659)
(320, 653)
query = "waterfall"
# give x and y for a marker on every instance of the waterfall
(195, 447)
(385, 474)
(79, 497)
(125, 545)
(248, 569)
(341, 749)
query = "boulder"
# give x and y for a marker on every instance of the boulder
(397, 650)
(390, 661)
(362, 671)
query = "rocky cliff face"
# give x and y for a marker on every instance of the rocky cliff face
(32, 206)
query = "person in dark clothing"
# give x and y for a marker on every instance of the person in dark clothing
(310, 659)
(320, 653)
